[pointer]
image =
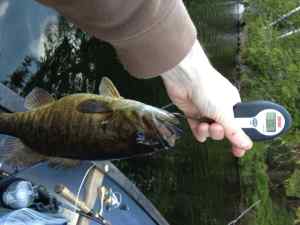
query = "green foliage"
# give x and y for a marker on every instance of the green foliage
(271, 72)
(297, 221)
(255, 186)
(272, 9)
(293, 185)
(274, 68)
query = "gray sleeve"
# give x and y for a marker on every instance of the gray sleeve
(150, 36)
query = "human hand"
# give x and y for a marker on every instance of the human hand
(199, 90)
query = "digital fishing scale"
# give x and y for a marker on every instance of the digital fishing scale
(262, 120)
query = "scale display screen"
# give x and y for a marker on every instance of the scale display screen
(271, 122)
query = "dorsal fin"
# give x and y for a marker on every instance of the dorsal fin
(36, 98)
(107, 88)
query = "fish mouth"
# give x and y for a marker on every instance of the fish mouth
(166, 130)
(160, 128)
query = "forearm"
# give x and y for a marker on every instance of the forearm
(195, 63)
(150, 37)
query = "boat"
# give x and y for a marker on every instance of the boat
(101, 193)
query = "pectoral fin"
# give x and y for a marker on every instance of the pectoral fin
(93, 106)
(36, 98)
(107, 88)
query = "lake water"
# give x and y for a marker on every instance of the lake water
(193, 184)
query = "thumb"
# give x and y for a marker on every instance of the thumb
(235, 134)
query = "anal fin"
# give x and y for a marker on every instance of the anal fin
(15, 153)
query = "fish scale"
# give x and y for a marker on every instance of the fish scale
(27, 128)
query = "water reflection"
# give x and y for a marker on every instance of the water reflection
(195, 184)
(22, 26)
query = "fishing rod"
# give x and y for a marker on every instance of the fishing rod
(84, 209)
(260, 120)
(86, 215)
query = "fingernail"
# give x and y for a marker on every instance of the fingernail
(245, 142)
(247, 145)
(202, 140)
(238, 152)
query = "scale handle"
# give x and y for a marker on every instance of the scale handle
(251, 109)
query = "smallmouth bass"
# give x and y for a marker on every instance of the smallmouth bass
(86, 127)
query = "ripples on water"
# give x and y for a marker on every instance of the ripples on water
(195, 184)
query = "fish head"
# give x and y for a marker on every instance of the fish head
(154, 126)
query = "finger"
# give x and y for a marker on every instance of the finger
(234, 132)
(238, 152)
(200, 132)
(203, 131)
(238, 137)
(216, 131)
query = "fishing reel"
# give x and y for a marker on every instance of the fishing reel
(110, 199)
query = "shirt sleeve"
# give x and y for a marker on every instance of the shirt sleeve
(150, 36)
